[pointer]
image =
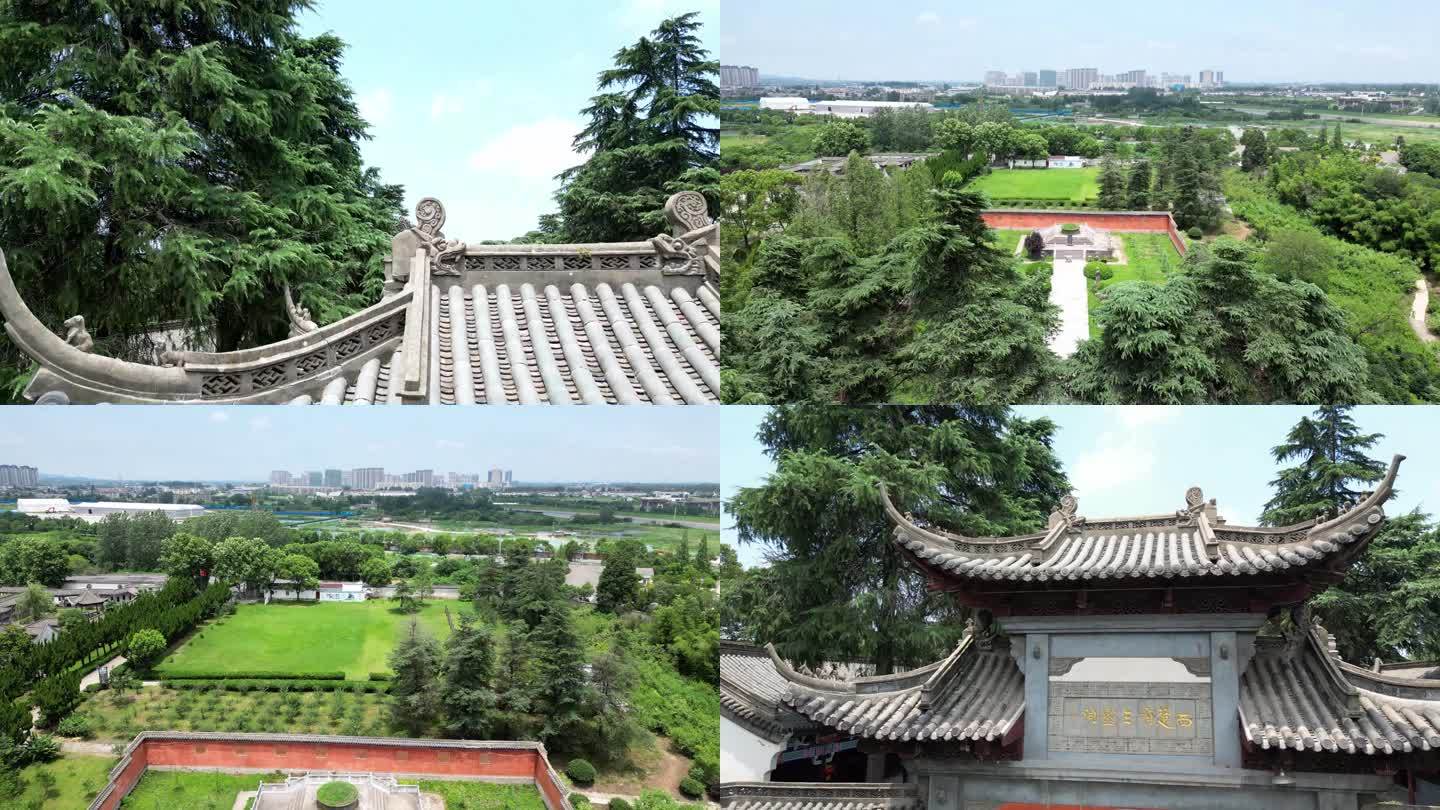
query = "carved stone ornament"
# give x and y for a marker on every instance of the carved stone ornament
(1194, 505)
(677, 256)
(1065, 513)
(172, 357)
(300, 321)
(981, 627)
(445, 254)
(688, 209)
(76, 335)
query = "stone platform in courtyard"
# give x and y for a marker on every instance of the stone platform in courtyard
(376, 792)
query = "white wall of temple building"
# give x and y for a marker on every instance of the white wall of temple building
(745, 756)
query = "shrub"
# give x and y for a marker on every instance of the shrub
(580, 771)
(265, 675)
(1106, 271)
(76, 725)
(1070, 227)
(381, 676)
(1195, 233)
(144, 647)
(691, 787)
(579, 801)
(618, 803)
(336, 794)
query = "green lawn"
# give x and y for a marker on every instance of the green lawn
(483, 796)
(171, 790)
(78, 780)
(305, 637)
(1008, 239)
(1149, 258)
(1078, 185)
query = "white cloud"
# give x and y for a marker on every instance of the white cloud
(375, 106)
(538, 150)
(449, 444)
(1139, 416)
(442, 105)
(219, 417)
(927, 18)
(1117, 461)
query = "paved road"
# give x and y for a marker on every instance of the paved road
(1417, 312)
(1067, 291)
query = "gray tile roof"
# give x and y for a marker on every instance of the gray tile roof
(1300, 696)
(618, 323)
(1191, 542)
(972, 695)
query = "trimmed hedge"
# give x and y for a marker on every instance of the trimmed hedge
(283, 685)
(252, 675)
(382, 676)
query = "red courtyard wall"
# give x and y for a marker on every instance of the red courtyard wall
(1123, 221)
(261, 753)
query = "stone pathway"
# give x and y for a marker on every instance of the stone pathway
(242, 797)
(1417, 312)
(94, 677)
(1068, 292)
(89, 748)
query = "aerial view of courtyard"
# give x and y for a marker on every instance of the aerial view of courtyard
(569, 629)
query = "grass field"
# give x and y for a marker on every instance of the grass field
(1008, 239)
(171, 790)
(78, 779)
(1040, 184)
(305, 637)
(261, 712)
(1149, 258)
(482, 796)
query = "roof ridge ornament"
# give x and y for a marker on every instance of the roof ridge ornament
(300, 321)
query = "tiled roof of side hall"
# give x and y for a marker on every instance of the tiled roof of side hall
(752, 688)
(1191, 542)
(974, 694)
(621, 323)
(1301, 696)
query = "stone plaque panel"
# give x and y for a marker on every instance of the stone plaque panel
(1131, 718)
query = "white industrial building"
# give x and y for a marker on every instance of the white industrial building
(96, 511)
(838, 109)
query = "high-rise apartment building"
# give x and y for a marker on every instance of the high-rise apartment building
(498, 478)
(739, 76)
(315, 478)
(333, 478)
(280, 478)
(1134, 78)
(18, 475)
(1031, 78)
(367, 478)
(1047, 78)
(994, 78)
(1081, 78)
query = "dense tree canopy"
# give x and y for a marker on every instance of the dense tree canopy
(836, 586)
(180, 161)
(649, 135)
(1222, 330)
(1331, 450)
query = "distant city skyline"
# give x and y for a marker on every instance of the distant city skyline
(1284, 41)
(161, 443)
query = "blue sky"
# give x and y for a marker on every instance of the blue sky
(217, 442)
(476, 103)
(1140, 460)
(1274, 40)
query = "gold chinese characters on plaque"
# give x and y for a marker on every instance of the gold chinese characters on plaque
(1131, 718)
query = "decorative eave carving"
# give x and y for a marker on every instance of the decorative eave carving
(300, 320)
